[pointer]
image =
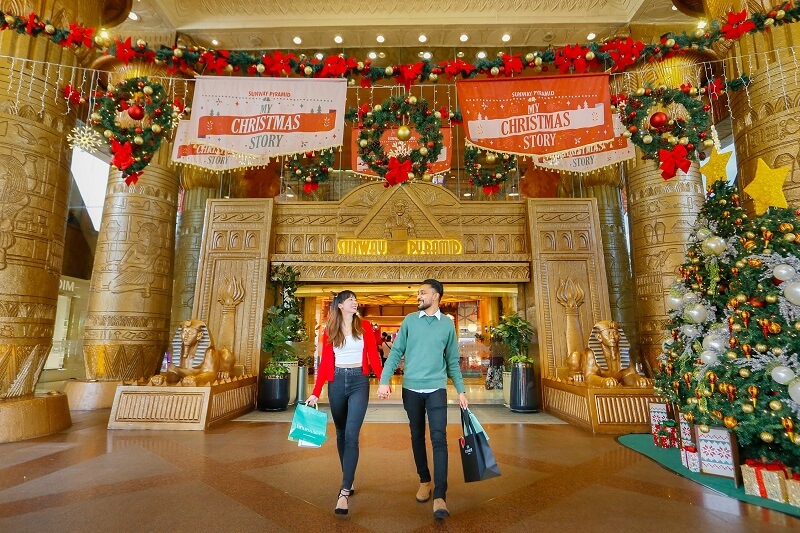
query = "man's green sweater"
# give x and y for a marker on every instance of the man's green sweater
(430, 348)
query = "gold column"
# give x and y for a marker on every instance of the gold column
(661, 216)
(34, 188)
(765, 117)
(127, 323)
(198, 185)
(605, 185)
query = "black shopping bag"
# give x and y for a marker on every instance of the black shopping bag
(477, 458)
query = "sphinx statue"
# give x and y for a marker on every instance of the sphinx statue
(602, 363)
(199, 361)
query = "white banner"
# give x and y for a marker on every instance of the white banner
(268, 117)
(184, 152)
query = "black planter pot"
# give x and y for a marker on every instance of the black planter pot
(522, 388)
(273, 393)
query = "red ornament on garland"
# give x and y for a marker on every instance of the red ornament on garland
(136, 112)
(658, 120)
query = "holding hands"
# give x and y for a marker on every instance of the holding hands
(384, 391)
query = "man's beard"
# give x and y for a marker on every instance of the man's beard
(422, 306)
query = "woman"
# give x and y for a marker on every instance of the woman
(349, 351)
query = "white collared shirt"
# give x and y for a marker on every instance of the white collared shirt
(437, 314)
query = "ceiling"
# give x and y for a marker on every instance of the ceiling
(248, 25)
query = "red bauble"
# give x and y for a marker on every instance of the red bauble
(136, 112)
(658, 120)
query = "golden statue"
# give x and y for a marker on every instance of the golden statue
(399, 219)
(586, 365)
(215, 364)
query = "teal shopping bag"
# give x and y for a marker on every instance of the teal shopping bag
(309, 424)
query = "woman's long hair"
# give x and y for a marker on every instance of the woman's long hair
(335, 320)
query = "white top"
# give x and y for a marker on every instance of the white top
(351, 353)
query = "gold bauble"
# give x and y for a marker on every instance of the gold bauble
(389, 71)
(741, 298)
(363, 143)
(790, 237)
(411, 176)
(433, 77)
(138, 140)
(640, 91)
(378, 107)
(308, 179)
(707, 393)
(740, 264)
(730, 422)
(647, 139)
(744, 372)
(260, 68)
(177, 52)
(412, 100)
(704, 428)
(736, 327)
(760, 347)
(771, 298)
(494, 71)
(775, 405)
(404, 133)
(308, 71)
(767, 437)
(156, 129)
(747, 408)
(49, 29)
(796, 439)
(108, 134)
(427, 177)
(589, 55)
(491, 158)
(423, 151)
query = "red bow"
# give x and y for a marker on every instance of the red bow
(398, 172)
(32, 23)
(672, 160)
(738, 24)
(407, 74)
(310, 186)
(123, 154)
(132, 179)
(489, 190)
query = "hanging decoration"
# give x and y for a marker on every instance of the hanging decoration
(405, 162)
(310, 168)
(494, 171)
(614, 55)
(134, 116)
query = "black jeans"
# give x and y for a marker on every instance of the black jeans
(348, 394)
(435, 403)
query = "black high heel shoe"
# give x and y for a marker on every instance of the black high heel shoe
(346, 496)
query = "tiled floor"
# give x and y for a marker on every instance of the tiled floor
(246, 476)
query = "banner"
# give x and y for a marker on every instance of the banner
(268, 117)
(537, 116)
(593, 157)
(184, 152)
(393, 146)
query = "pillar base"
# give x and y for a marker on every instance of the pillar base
(33, 416)
(90, 395)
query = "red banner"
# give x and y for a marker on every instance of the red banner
(395, 147)
(537, 116)
(295, 122)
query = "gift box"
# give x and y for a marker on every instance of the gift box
(718, 452)
(666, 436)
(690, 458)
(658, 413)
(793, 490)
(767, 480)
(686, 430)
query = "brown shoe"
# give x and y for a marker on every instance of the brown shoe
(424, 492)
(440, 509)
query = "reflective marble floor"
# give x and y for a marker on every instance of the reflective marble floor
(246, 476)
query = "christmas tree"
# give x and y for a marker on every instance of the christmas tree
(734, 323)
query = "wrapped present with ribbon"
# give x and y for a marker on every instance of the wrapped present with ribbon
(690, 457)
(658, 413)
(767, 480)
(793, 489)
(667, 436)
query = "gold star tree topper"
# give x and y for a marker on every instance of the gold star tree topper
(715, 168)
(766, 189)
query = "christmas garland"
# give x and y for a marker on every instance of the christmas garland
(672, 140)
(134, 115)
(614, 55)
(489, 178)
(313, 171)
(406, 162)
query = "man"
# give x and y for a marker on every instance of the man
(428, 343)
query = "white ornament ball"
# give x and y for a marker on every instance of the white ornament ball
(713, 245)
(783, 374)
(697, 313)
(674, 302)
(260, 68)
(690, 298)
(784, 272)
(791, 291)
(714, 343)
(690, 330)
(708, 357)
(704, 233)
(794, 390)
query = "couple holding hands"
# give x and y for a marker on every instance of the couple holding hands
(428, 344)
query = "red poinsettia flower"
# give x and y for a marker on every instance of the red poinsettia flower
(398, 172)
(456, 67)
(279, 63)
(123, 154)
(71, 94)
(572, 58)
(132, 178)
(489, 190)
(738, 24)
(408, 74)
(333, 67)
(124, 51)
(623, 52)
(672, 160)
(216, 61)
(512, 64)
(32, 23)
(715, 88)
(310, 186)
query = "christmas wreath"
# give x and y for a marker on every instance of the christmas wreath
(402, 162)
(134, 116)
(309, 169)
(487, 177)
(673, 140)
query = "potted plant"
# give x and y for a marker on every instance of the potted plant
(273, 387)
(516, 334)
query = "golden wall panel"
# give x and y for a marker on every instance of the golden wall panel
(566, 245)
(236, 245)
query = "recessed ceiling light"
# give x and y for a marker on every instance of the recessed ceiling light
(427, 55)
(380, 38)
(481, 55)
(674, 8)
(467, 194)
(464, 37)
(423, 38)
(701, 24)
(133, 15)
(319, 55)
(506, 37)
(104, 34)
(338, 39)
(297, 40)
(372, 55)
(591, 37)
(214, 42)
